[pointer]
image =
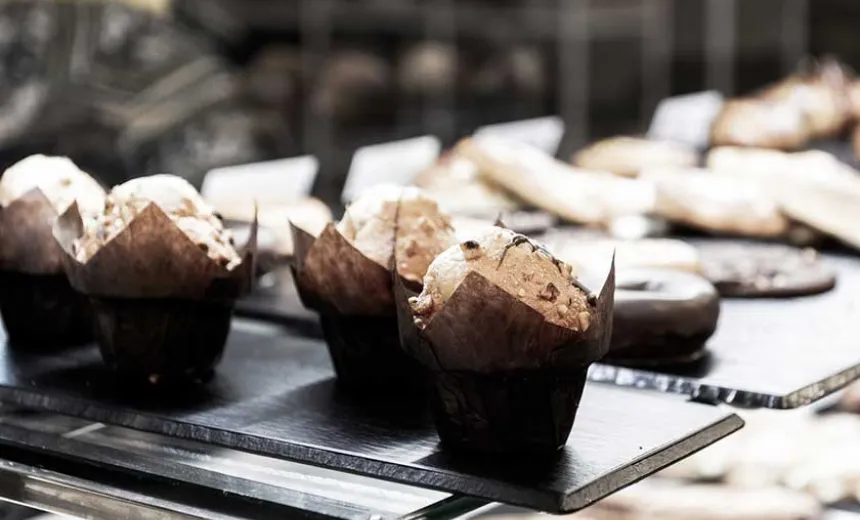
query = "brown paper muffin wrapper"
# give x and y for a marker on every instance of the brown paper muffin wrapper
(39, 308)
(161, 306)
(353, 296)
(42, 311)
(152, 258)
(26, 235)
(510, 382)
(161, 341)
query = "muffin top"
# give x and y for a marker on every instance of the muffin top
(389, 220)
(179, 201)
(58, 178)
(515, 264)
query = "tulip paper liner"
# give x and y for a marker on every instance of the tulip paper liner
(39, 307)
(505, 379)
(27, 242)
(161, 306)
(353, 295)
(152, 258)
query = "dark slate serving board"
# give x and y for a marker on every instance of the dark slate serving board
(773, 353)
(274, 394)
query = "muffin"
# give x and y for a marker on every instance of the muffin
(627, 156)
(162, 274)
(346, 275)
(38, 305)
(507, 332)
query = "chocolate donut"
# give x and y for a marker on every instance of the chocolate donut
(662, 316)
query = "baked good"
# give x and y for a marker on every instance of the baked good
(715, 203)
(38, 305)
(507, 332)
(162, 274)
(457, 184)
(346, 275)
(575, 195)
(821, 94)
(750, 270)
(586, 252)
(760, 123)
(661, 316)
(811, 187)
(627, 156)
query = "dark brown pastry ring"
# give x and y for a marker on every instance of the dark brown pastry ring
(661, 316)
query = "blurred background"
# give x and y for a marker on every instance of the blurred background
(147, 86)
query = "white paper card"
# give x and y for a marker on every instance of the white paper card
(397, 162)
(277, 182)
(544, 133)
(686, 119)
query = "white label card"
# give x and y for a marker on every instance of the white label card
(233, 189)
(397, 163)
(544, 133)
(686, 119)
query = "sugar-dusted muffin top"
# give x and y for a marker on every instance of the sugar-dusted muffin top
(58, 178)
(513, 263)
(179, 201)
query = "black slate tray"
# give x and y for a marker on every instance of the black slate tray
(274, 395)
(772, 353)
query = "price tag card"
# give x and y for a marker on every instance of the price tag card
(686, 119)
(235, 190)
(397, 162)
(544, 133)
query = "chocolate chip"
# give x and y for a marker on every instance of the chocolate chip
(549, 293)
(471, 244)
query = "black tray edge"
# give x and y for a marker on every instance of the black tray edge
(710, 393)
(508, 493)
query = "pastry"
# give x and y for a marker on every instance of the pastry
(661, 316)
(162, 274)
(460, 189)
(628, 156)
(507, 332)
(575, 195)
(586, 251)
(759, 123)
(346, 275)
(718, 204)
(811, 187)
(820, 94)
(751, 270)
(38, 305)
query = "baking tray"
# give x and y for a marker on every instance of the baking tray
(773, 353)
(274, 394)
